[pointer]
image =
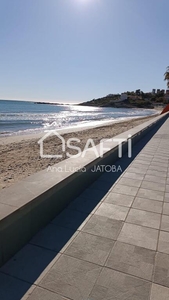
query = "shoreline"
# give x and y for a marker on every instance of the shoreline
(17, 138)
(21, 157)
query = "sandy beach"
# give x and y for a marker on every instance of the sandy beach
(20, 155)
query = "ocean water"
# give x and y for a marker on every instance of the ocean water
(22, 117)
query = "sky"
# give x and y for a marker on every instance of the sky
(75, 50)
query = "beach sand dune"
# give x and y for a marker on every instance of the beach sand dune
(21, 158)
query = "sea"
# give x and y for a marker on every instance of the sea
(26, 117)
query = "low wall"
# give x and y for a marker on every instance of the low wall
(29, 205)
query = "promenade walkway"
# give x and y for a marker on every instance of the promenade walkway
(111, 243)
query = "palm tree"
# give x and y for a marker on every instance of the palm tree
(166, 76)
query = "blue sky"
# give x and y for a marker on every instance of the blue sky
(77, 50)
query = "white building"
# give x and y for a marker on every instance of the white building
(123, 97)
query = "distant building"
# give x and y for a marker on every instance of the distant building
(167, 95)
(123, 97)
(153, 91)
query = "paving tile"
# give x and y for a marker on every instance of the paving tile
(166, 208)
(71, 277)
(149, 194)
(139, 166)
(133, 175)
(153, 186)
(157, 168)
(141, 161)
(70, 218)
(53, 237)
(148, 205)
(130, 182)
(132, 259)
(139, 236)
(165, 223)
(124, 189)
(102, 226)
(156, 173)
(153, 178)
(159, 292)
(161, 270)
(12, 288)
(112, 211)
(90, 248)
(28, 263)
(42, 294)
(119, 199)
(136, 170)
(158, 164)
(167, 188)
(116, 285)
(144, 218)
(166, 197)
(163, 245)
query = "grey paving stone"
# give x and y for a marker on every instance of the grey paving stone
(148, 205)
(166, 208)
(144, 218)
(133, 175)
(158, 164)
(124, 189)
(166, 197)
(12, 288)
(159, 292)
(136, 170)
(52, 237)
(42, 294)
(119, 199)
(139, 166)
(112, 211)
(139, 236)
(165, 223)
(167, 188)
(70, 218)
(90, 248)
(71, 277)
(161, 271)
(149, 194)
(115, 285)
(130, 182)
(132, 259)
(156, 173)
(163, 245)
(153, 178)
(141, 161)
(153, 186)
(157, 168)
(102, 226)
(28, 263)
